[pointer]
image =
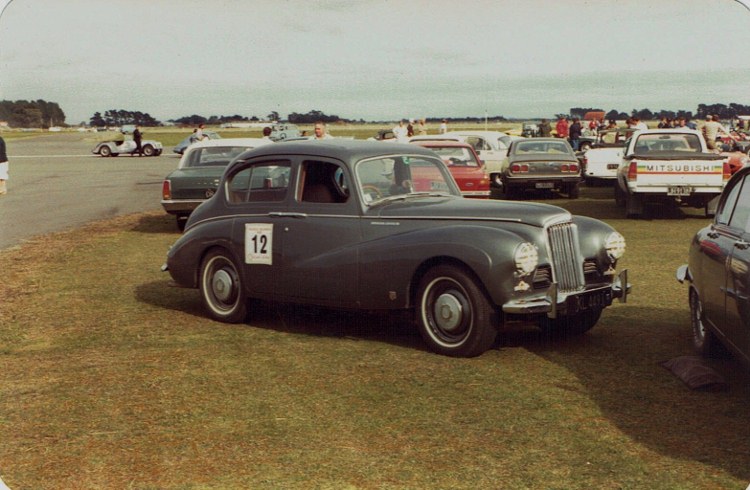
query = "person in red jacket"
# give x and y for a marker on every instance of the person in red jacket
(562, 127)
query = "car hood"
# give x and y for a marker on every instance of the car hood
(452, 208)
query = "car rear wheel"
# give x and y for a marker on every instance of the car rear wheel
(454, 316)
(148, 150)
(576, 324)
(573, 191)
(704, 340)
(105, 151)
(221, 287)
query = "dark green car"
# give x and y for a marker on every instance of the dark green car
(198, 174)
(382, 226)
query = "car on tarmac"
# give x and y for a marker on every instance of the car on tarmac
(207, 135)
(373, 226)
(151, 148)
(198, 173)
(718, 275)
(539, 164)
(464, 164)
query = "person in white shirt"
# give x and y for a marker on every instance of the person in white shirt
(401, 133)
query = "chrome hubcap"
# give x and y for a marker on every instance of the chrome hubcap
(448, 312)
(222, 285)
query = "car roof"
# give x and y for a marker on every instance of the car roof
(441, 143)
(486, 134)
(346, 150)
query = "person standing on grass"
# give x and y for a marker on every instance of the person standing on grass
(3, 167)
(562, 127)
(545, 130)
(574, 134)
(138, 137)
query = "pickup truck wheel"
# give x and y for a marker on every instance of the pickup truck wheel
(576, 324)
(221, 287)
(704, 340)
(454, 316)
(148, 150)
(105, 151)
(620, 199)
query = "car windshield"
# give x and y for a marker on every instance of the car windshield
(213, 156)
(383, 178)
(650, 143)
(456, 155)
(541, 147)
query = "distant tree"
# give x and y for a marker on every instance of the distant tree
(273, 116)
(31, 114)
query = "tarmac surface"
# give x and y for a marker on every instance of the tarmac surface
(57, 184)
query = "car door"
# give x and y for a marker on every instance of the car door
(491, 155)
(321, 235)
(715, 248)
(738, 275)
(258, 193)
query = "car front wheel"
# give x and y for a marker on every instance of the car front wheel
(221, 287)
(105, 151)
(454, 316)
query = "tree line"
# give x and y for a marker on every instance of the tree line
(724, 111)
(31, 114)
(118, 117)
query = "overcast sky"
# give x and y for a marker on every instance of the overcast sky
(373, 59)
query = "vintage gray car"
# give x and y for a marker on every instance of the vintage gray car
(382, 226)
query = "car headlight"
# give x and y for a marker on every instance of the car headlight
(526, 258)
(615, 245)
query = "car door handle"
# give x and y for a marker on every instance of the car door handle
(280, 214)
(741, 244)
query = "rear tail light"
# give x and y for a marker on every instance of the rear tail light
(633, 171)
(564, 168)
(519, 168)
(166, 190)
(726, 170)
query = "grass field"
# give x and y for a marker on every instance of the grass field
(109, 378)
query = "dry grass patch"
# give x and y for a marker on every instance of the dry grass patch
(109, 378)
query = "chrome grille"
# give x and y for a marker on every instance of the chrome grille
(566, 256)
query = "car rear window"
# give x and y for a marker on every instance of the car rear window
(214, 156)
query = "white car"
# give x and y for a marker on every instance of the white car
(603, 159)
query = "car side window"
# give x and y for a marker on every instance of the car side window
(323, 182)
(741, 211)
(724, 214)
(260, 182)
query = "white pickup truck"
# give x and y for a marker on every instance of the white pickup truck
(674, 165)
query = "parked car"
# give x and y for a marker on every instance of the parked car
(669, 166)
(374, 226)
(601, 161)
(198, 173)
(718, 277)
(282, 131)
(539, 163)
(464, 164)
(151, 148)
(207, 135)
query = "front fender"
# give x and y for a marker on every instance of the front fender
(683, 274)
(392, 265)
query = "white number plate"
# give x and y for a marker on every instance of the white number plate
(679, 190)
(259, 243)
(544, 185)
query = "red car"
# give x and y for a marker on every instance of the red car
(464, 164)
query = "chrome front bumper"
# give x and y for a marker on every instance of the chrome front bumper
(554, 302)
